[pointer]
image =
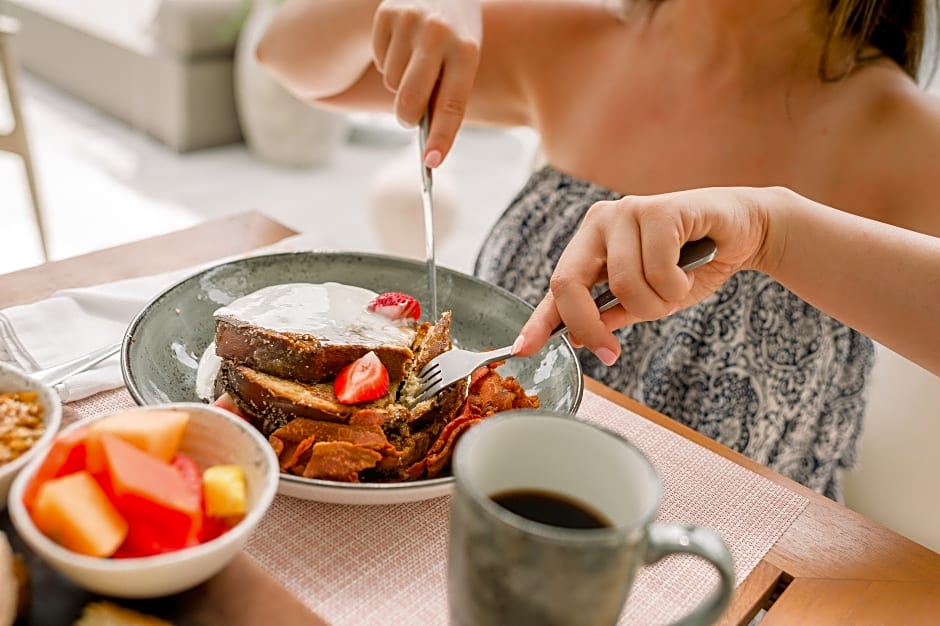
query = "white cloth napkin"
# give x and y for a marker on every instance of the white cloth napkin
(73, 322)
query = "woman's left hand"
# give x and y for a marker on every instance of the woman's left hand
(633, 244)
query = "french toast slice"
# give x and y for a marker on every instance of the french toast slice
(272, 401)
(309, 331)
(297, 356)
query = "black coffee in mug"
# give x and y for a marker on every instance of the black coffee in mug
(566, 475)
(551, 508)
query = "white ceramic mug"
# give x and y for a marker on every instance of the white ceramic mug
(504, 568)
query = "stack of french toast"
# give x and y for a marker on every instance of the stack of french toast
(287, 383)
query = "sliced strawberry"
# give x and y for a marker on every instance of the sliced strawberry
(396, 305)
(363, 380)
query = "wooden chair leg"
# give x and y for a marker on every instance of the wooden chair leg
(37, 208)
(15, 141)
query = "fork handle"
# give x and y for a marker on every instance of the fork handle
(56, 374)
(496, 355)
(692, 255)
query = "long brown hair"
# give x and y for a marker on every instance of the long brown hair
(896, 28)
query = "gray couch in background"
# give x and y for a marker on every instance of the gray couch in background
(162, 66)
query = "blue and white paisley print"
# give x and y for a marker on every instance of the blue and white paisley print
(753, 366)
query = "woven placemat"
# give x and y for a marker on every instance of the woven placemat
(361, 565)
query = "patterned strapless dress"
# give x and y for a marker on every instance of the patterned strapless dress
(753, 366)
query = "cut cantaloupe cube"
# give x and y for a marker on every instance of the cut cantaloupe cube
(224, 491)
(75, 513)
(157, 432)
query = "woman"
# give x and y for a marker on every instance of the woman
(815, 95)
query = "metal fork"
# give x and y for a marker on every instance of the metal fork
(54, 375)
(456, 364)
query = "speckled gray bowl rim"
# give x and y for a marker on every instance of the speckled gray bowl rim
(422, 488)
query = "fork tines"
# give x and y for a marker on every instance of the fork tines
(431, 380)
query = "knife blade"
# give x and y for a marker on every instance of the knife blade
(426, 185)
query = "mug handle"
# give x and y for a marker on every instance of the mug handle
(666, 539)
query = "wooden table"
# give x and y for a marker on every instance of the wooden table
(832, 566)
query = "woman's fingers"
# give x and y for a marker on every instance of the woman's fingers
(429, 58)
(393, 41)
(450, 102)
(636, 241)
(581, 266)
(381, 40)
(417, 87)
(644, 272)
(395, 59)
(538, 328)
(546, 317)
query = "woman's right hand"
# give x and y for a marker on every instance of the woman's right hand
(427, 52)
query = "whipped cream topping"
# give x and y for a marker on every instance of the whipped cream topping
(206, 373)
(331, 312)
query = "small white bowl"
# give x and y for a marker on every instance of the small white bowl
(212, 436)
(12, 379)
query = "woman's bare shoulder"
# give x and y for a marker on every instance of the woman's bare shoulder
(889, 147)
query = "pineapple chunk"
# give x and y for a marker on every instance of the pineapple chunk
(224, 491)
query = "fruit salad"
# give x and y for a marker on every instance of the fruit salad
(121, 487)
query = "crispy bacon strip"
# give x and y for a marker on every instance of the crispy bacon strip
(489, 393)
(522, 400)
(301, 428)
(445, 440)
(479, 373)
(435, 462)
(369, 417)
(339, 460)
(295, 444)
(290, 453)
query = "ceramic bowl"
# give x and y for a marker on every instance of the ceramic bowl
(12, 379)
(212, 436)
(166, 340)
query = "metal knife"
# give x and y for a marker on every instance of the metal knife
(428, 214)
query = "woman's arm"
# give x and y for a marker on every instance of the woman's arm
(882, 280)
(409, 56)
(319, 48)
(393, 55)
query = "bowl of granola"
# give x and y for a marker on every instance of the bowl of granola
(30, 415)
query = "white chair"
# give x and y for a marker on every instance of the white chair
(15, 141)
